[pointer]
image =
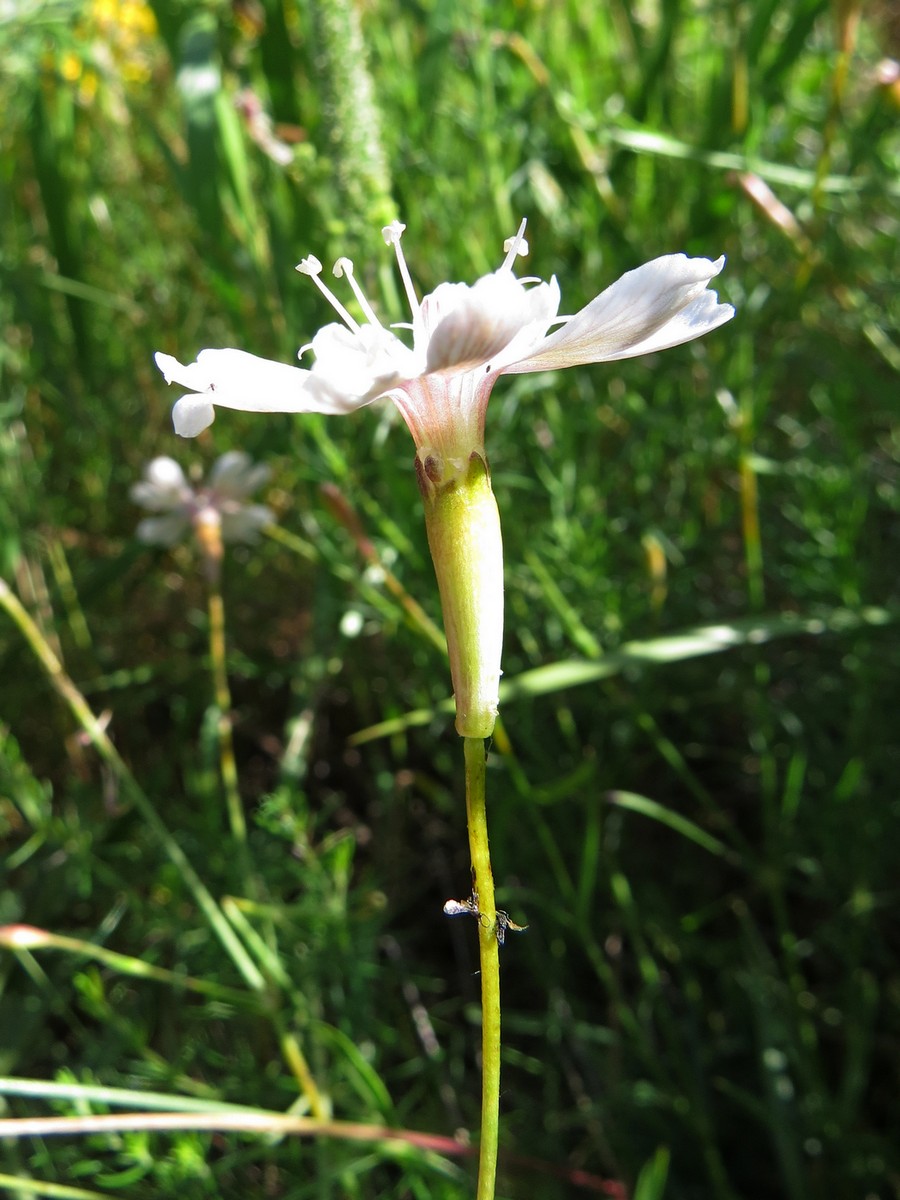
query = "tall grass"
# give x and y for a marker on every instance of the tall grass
(701, 844)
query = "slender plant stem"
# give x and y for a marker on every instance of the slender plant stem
(271, 1124)
(489, 949)
(235, 808)
(297, 1061)
(753, 548)
(99, 739)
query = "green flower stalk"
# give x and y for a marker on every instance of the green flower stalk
(463, 338)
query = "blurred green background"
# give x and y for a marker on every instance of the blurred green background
(703, 845)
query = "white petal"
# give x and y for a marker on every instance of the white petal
(437, 306)
(471, 326)
(163, 486)
(234, 475)
(163, 531)
(191, 415)
(170, 367)
(700, 317)
(164, 472)
(661, 304)
(355, 367)
(148, 495)
(240, 380)
(235, 379)
(230, 465)
(245, 524)
(532, 335)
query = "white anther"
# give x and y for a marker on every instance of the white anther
(393, 233)
(515, 246)
(309, 266)
(313, 268)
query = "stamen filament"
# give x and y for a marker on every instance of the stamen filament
(392, 234)
(313, 268)
(343, 268)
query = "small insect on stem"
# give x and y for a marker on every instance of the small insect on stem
(458, 908)
(504, 923)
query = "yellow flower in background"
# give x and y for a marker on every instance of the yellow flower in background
(126, 26)
(132, 17)
(71, 67)
(112, 42)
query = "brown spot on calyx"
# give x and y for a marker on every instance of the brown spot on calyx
(428, 477)
(434, 468)
(421, 477)
(436, 475)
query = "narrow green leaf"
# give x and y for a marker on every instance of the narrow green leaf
(658, 812)
(690, 643)
(18, 1185)
(652, 1180)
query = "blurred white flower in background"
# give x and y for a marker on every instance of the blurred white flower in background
(214, 509)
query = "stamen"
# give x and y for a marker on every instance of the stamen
(313, 268)
(344, 267)
(392, 234)
(515, 246)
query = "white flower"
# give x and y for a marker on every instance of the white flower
(219, 502)
(463, 338)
